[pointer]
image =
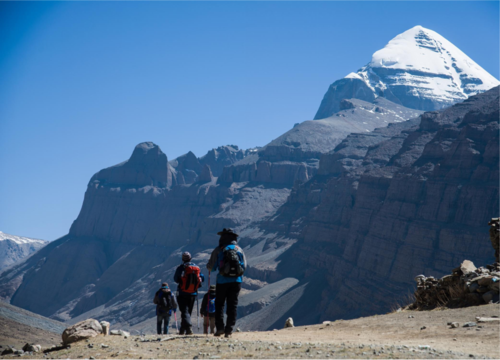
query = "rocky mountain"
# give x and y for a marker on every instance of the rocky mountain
(336, 216)
(411, 198)
(190, 168)
(14, 248)
(418, 69)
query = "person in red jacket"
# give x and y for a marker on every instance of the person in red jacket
(189, 277)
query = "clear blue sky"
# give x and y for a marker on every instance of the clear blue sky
(83, 82)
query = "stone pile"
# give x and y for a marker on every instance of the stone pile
(466, 286)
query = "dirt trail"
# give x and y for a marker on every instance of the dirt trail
(391, 336)
(398, 329)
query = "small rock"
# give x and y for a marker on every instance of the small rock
(8, 350)
(104, 346)
(423, 328)
(454, 325)
(91, 358)
(469, 324)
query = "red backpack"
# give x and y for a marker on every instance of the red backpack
(191, 279)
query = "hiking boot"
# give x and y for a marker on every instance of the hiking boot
(227, 335)
(181, 332)
(219, 333)
(189, 332)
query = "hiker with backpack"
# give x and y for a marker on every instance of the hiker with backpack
(230, 260)
(188, 276)
(165, 304)
(207, 310)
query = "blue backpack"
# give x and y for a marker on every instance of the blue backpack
(211, 306)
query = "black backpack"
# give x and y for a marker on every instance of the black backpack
(231, 265)
(165, 301)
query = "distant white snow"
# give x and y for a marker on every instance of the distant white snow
(20, 239)
(431, 65)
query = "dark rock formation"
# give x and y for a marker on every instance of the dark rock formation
(414, 198)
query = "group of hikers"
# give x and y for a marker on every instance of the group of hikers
(228, 258)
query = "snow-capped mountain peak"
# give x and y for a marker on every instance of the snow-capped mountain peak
(419, 69)
(422, 50)
(20, 239)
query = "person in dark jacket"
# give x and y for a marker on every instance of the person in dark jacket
(228, 282)
(208, 310)
(189, 278)
(165, 304)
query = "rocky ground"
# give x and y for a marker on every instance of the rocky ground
(404, 334)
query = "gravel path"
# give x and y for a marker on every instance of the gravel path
(393, 336)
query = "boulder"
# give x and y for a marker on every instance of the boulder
(467, 267)
(289, 323)
(80, 331)
(32, 348)
(105, 327)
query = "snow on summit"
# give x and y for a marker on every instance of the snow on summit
(418, 69)
(429, 65)
(20, 239)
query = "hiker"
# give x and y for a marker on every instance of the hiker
(165, 304)
(189, 277)
(208, 310)
(230, 260)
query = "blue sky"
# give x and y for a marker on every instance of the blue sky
(82, 83)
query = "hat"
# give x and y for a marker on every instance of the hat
(227, 231)
(212, 287)
(186, 256)
(164, 286)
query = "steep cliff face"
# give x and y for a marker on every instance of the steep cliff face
(415, 198)
(418, 69)
(135, 219)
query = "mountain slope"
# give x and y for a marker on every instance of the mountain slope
(14, 248)
(418, 69)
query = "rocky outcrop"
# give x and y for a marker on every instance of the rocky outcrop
(189, 167)
(466, 286)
